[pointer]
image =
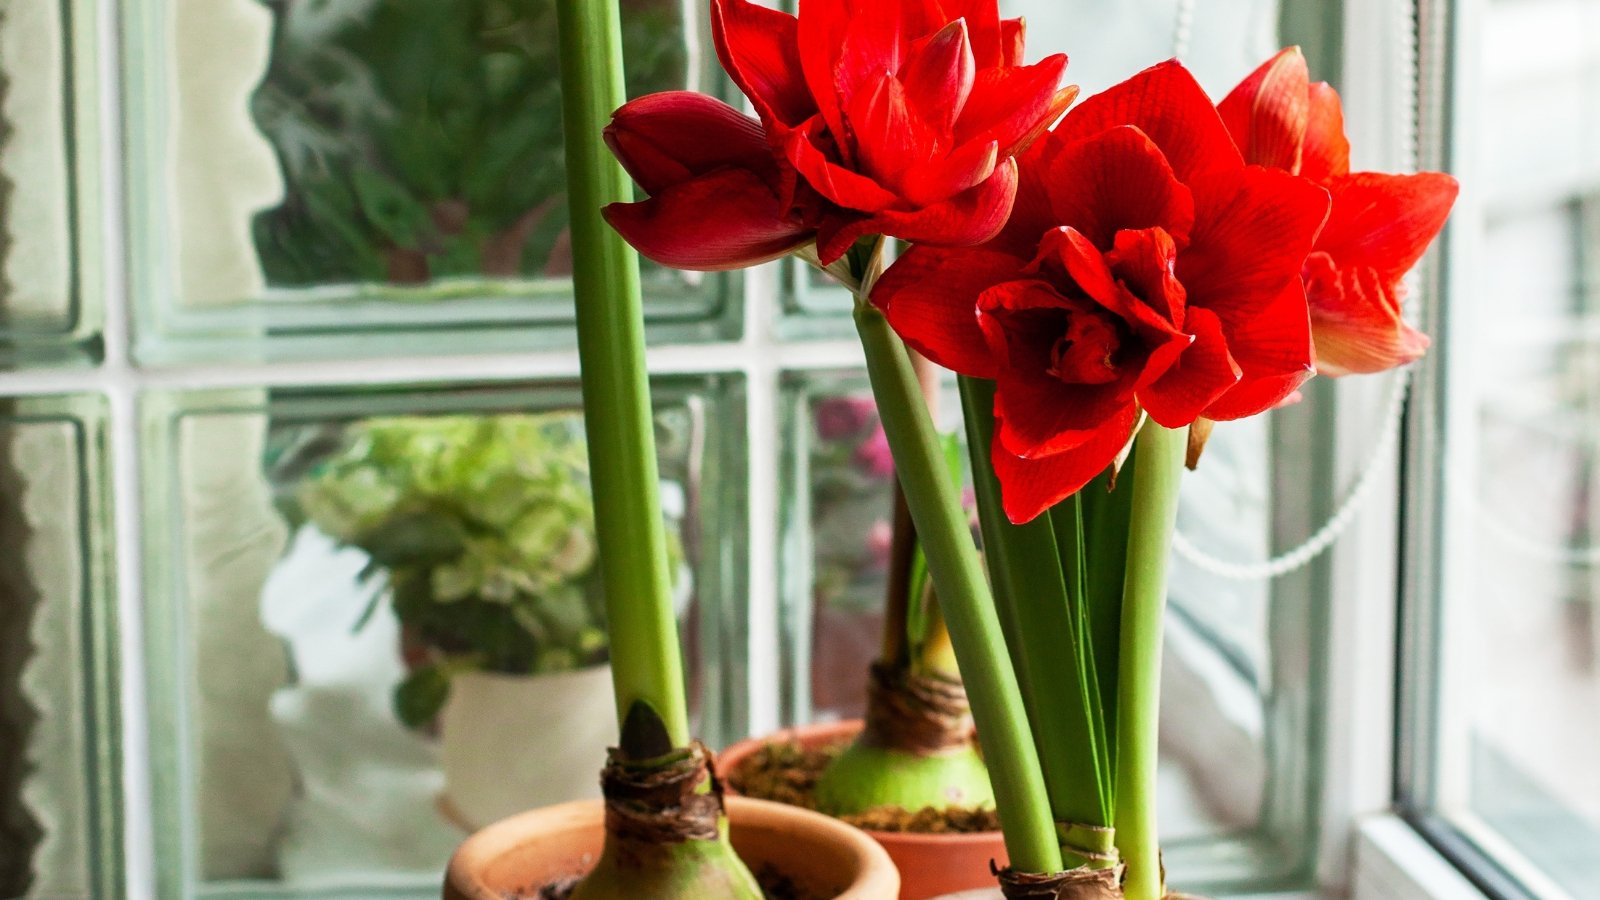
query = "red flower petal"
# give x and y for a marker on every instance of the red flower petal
(967, 219)
(666, 138)
(1202, 373)
(1040, 414)
(1267, 112)
(1089, 269)
(983, 21)
(821, 35)
(1326, 153)
(1356, 320)
(1013, 34)
(942, 179)
(1115, 180)
(1146, 260)
(1014, 106)
(835, 182)
(1028, 487)
(890, 138)
(938, 78)
(759, 48)
(727, 219)
(930, 296)
(1167, 104)
(1272, 346)
(1253, 229)
(1253, 396)
(1386, 221)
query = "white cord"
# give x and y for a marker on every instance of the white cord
(1330, 532)
(1183, 29)
(1335, 527)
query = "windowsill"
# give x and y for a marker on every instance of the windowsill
(1393, 862)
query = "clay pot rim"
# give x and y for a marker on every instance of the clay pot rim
(877, 875)
(836, 729)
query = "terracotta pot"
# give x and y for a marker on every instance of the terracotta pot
(931, 865)
(523, 853)
(509, 743)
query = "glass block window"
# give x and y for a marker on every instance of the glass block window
(58, 765)
(49, 310)
(374, 594)
(395, 164)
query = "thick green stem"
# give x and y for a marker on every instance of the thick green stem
(964, 597)
(1159, 453)
(645, 659)
(1049, 644)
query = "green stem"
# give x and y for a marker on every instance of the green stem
(645, 659)
(964, 597)
(1049, 646)
(1159, 453)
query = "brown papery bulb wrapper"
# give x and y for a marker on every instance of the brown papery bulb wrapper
(921, 714)
(665, 803)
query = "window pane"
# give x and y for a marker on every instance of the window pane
(1510, 763)
(374, 595)
(44, 316)
(309, 168)
(58, 773)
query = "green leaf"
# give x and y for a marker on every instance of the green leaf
(390, 208)
(421, 695)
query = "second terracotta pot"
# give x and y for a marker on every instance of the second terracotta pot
(931, 865)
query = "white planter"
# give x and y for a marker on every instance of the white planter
(511, 743)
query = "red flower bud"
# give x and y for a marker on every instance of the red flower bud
(713, 183)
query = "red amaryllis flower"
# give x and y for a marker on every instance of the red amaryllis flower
(896, 117)
(1145, 268)
(1379, 226)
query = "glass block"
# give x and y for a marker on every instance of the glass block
(1240, 686)
(316, 172)
(49, 309)
(59, 770)
(379, 620)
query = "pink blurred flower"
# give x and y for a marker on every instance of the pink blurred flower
(879, 538)
(873, 455)
(840, 417)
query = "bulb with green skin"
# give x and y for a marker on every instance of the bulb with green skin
(864, 777)
(684, 870)
(874, 773)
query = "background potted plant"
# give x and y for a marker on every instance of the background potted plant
(1135, 281)
(663, 831)
(482, 528)
(421, 139)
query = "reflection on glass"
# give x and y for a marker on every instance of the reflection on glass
(1534, 625)
(398, 623)
(851, 491)
(1225, 512)
(51, 618)
(1517, 769)
(421, 139)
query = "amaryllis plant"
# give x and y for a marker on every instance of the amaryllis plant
(1106, 286)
